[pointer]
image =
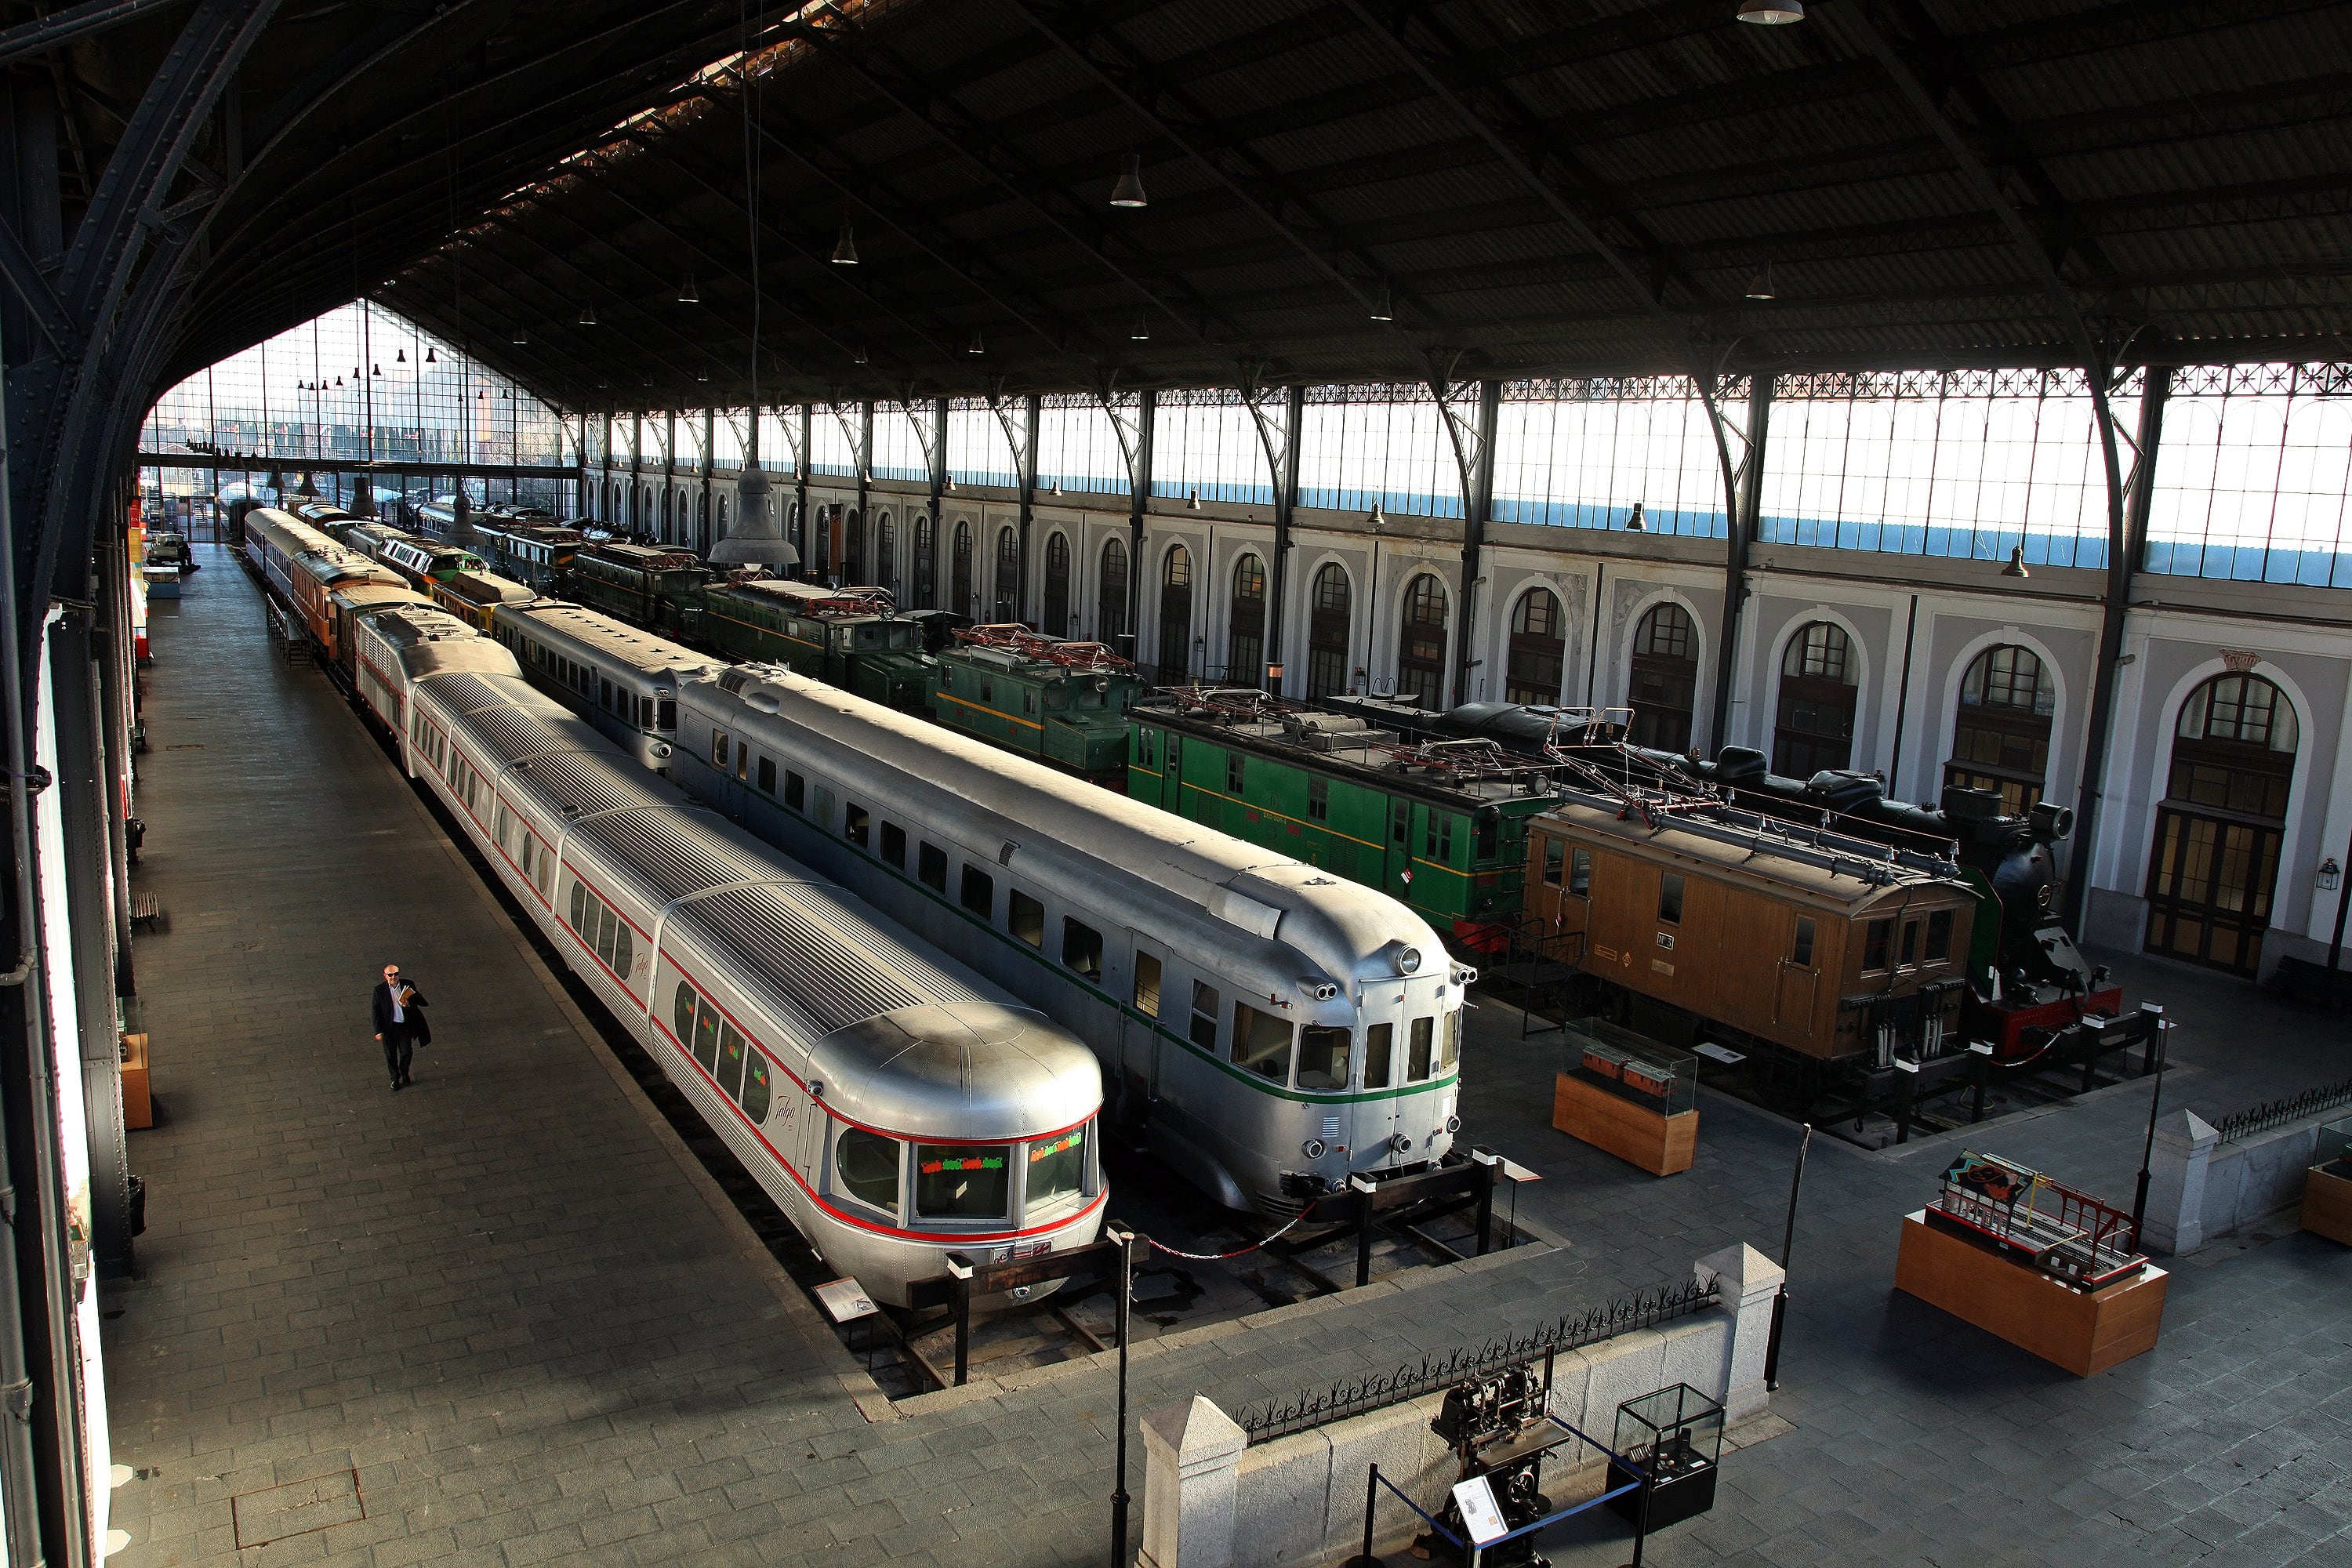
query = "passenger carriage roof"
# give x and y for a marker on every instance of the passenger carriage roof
(1734, 858)
(609, 639)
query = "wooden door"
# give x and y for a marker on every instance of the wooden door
(1793, 997)
(2210, 888)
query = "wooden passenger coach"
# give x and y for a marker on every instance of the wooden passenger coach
(1834, 958)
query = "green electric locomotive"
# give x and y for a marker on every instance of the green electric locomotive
(1061, 704)
(846, 637)
(635, 583)
(1440, 827)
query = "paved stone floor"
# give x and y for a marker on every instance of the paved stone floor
(508, 1306)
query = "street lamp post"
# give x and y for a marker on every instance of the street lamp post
(1118, 1498)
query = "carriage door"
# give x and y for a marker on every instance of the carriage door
(1799, 979)
(1398, 876)
(2215, 861)
(1138, 1042)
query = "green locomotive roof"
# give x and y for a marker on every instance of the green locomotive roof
(1348, 748)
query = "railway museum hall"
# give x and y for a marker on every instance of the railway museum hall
(1202, 783)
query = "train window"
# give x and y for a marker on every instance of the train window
(1025, 917)
(1400, 822)
(767, 775)
(706, 1037)
(866, 1167)
(681, 1012)
(742, 758)
(980, 892)
(1146, 983)
(606, 928)
(1416, 1050)
(1261, 1043)
(796, 790)
(822, 808)
(1580, 873)
(1670, 899)
(1145, 747)
(579, 905)
(1323, 1056)
(1939, 936)
(1437, 838)
(1876, 939)
(1449, 1049)
(894, 845)
(987, 690)
(1319, 799)
(1028, 700)
(1379, 1048)
(502, 831)
(1204, 1016)
(624, 947)
(931, 867)
(957, 1181)
(730, 1061)
(718, 743)
(1236, 773)
(1801, 953)
(755, 1088)
(1082, 949)
(666, 715)
(1057, 1168)
(1555, 859)
(1487, 830)
(605, 694)
(1910, 944)
(857, 825)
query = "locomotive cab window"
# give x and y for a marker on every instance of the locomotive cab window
(1057, 1170)
(1670, 899)
(1082, 949)
(866, 1167)
(1261, 1043)
(931, 867)
(955, 1180)
(980, 892)
(1579, 872)
(1555, 860)
(1146, 983)
(1146, 749)
(1323, 1056)
(1204, 1016)
(1236, 773)
(1487, 833)
(1939, 937)
(1800, 951)
(1417, 1062)
(1025, 917)
(1380, 1047)
(666, 715)
(1877, 941)
(719, 744)
(1449, 1048)
(1319, 799)
(1910, 944)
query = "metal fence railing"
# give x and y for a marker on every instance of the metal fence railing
(1280, 1418)
(2275, 1113)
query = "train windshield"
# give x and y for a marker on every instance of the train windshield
(957, 1181)
(1057, 1168)
(866, 1167)
(1323, 1056)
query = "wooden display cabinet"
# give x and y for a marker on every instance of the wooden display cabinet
(2084, 1332)
(2327, 1189)
(138, 1105)
(1629, 1096)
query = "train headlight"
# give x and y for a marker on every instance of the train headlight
(1401, 1144)
(661, 749)
(1454, 1124)
(1312, 1148)
(1407, 961)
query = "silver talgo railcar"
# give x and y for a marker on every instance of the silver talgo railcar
(1272, 1030)
(895, 1104)
(619, 678)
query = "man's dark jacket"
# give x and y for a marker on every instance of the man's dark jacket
(417, 1029)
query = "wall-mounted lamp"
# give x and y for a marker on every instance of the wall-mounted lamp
(1636, 521)
(2016, 567)
(1379, 520)
(2330, 875)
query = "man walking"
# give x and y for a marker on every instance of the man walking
(400, 1024)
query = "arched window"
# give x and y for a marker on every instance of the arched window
(959, 573)
(1539, 648)
(886, 554)
(1664, 680)
(926, 579)
(1245, 625)
(2215, 863)
(1814, 728)
(795, 533)
(853, 547)
(1110, 615)
(1420, 645)
(1175, 617)
(2001, 741)
(1007, 607)
(1330, 632)
(702, 516)
(1057, 586)
(722, 515)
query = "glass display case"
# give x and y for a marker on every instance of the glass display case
(1676, 1436)
(1659, 1077)
(2333, 1150)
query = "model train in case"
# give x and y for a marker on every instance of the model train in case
(896, 1105)
(1270, 1030)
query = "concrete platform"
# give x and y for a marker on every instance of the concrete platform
(510, 1308)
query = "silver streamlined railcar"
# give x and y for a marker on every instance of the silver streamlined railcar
(1273, 1030)
(895, 1104)
(622, 680)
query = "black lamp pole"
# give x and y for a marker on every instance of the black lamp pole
(1788, 1246)
(2147, 1150)
(1119, 1499)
